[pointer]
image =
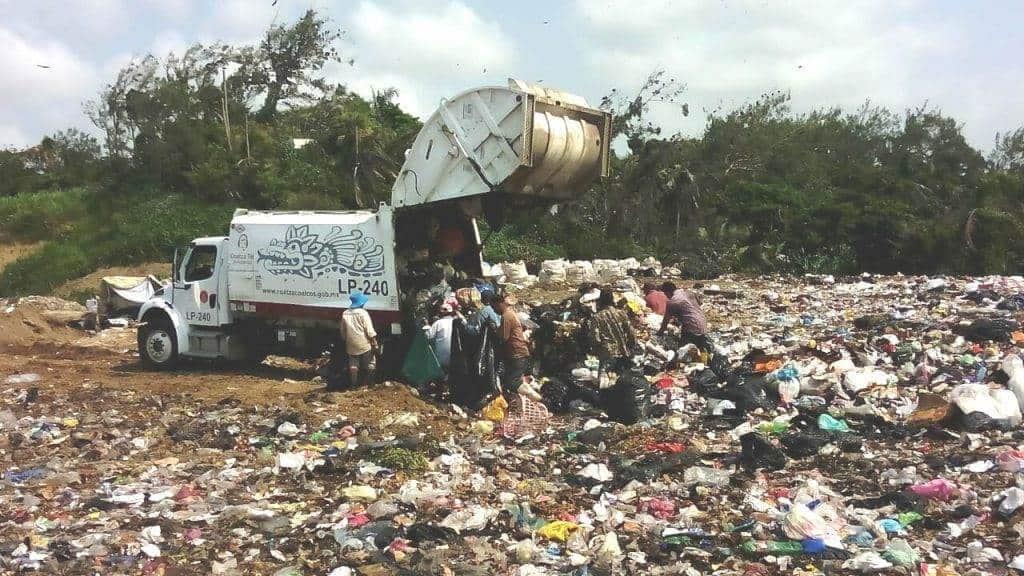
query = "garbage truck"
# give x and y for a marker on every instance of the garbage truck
(279, 281)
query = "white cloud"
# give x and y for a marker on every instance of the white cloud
(728, 53)
(423, 51)
(240, 21)
(12, 137)
(51, 95)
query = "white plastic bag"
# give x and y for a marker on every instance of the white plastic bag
(975, 398)
(1014, 368)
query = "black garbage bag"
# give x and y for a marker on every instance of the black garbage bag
(382, 533)
(984, 329)
(596, 435)
(757, 452)
(705, 381)
(629, 400)
(719, 364)
(643, 471)
(871, 321)
(1013, 303)
(980, 295)
(747, 392)
(744, 389)
(803, 444)
(807, 444)
(556, 395)
(423, 532)
(981, 422)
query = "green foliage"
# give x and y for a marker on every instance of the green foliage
(42, 215)
(44, 270)
(401, 459)
(83, 237)
(15, 175)
(767, 190)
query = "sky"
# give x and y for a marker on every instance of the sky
(963, 58)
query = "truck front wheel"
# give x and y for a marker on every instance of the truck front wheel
(158, 344)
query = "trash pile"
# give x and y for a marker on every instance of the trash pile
(853, 425)
(576, 272)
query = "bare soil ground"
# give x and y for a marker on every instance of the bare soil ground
(67, 358)
(11, 251)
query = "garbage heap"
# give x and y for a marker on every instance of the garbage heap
(853, 425)
(561, 272)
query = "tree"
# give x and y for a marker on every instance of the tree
(1008, 153)
(285, 64)
(76, 157)
(15, 175)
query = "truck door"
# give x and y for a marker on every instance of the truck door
(196, 292)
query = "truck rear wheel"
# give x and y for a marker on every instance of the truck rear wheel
(158, 344)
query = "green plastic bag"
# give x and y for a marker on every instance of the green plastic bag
(830, 424)
(421, 365)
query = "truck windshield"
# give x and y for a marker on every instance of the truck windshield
(201, 260)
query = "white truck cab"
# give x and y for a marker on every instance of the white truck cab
(194, 299)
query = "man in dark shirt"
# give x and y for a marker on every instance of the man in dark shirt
(514, 347)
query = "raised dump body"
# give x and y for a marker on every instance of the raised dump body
(526, 143)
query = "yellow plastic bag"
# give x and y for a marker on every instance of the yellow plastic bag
(558, 530)
(360, 493)
(482, 427)
(496, 410)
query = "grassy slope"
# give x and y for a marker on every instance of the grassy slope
(82, 236)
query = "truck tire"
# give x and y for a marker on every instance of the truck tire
(158, 344)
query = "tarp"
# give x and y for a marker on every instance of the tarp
(123, 295)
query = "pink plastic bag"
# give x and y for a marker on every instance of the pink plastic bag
(1010, 460)
(661, 508)
(939, 489)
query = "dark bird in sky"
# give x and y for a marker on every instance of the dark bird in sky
(43, 66)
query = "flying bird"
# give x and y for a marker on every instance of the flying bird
(43, 66)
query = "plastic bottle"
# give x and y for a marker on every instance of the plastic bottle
(785, 548)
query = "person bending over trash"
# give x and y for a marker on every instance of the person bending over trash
(514, 346)
(655, 299)
(360, 340)
(684, 307)
(610, 333)
(439, 334)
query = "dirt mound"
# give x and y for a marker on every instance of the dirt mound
(89, 285)
(35, 319)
